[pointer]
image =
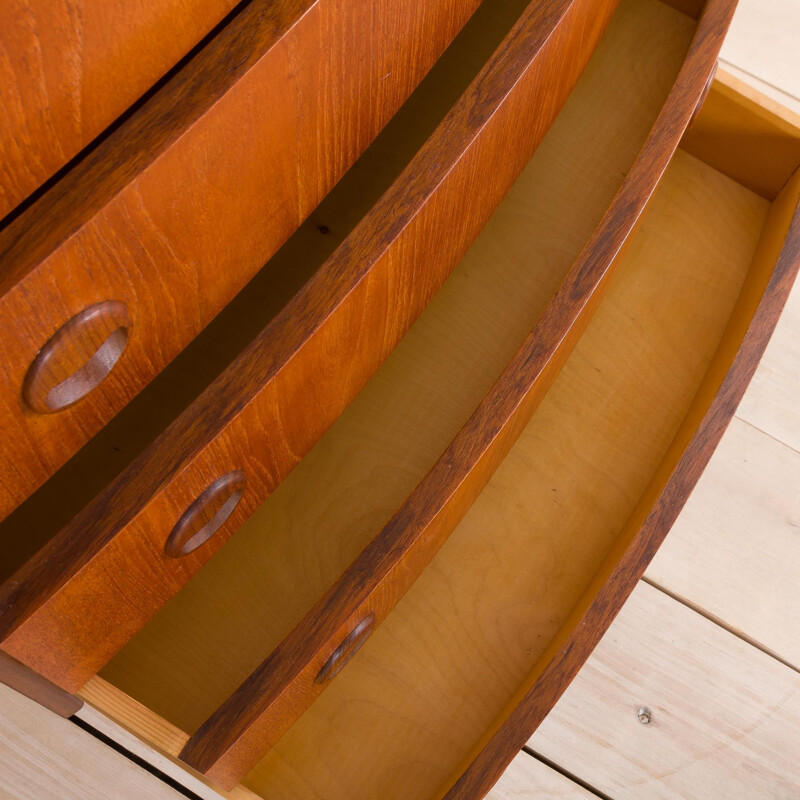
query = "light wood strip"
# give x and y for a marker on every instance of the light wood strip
(725, 717)
(735, 550)
(528, 779)
(161, 738)
(45, 757)
(764, 40)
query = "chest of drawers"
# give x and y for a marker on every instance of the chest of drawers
(353, 378)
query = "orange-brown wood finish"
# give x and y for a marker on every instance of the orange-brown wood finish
(25, 681)
(179, 206)
(68, 69)
(232, 741)
(89, 590)
(749, 330)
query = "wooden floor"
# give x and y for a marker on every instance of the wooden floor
(694, 693)
(695, 690)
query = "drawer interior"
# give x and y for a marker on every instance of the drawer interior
(564, 514)
(456, 650)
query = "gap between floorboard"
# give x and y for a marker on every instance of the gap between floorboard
(566, 773)
(721, 623)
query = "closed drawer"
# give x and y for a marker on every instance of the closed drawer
(71, 68)
(127, 257)
(406, 606)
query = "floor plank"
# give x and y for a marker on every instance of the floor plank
(741, 528)
(763, 41)
(45, 757)
(725, 717)
(527, 778)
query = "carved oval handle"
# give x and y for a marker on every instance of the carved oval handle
(346, 650)
(206, 515)
(77, 357)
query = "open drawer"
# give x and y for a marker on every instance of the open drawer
(576, 371)
(446, 690)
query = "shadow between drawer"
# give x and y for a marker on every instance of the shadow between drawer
(243, 729)
(182, 204)
(68, 610)
(89, 67)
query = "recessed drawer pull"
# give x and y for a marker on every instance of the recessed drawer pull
(280, 395)
(206, 515)
(78, 357)
(351, 644)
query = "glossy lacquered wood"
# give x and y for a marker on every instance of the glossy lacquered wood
(90, 589)
(179, 206)
(229, 744)
(69, 69)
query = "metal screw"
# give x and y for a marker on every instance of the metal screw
(645, 715)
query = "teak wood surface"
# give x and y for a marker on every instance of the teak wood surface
(232, 741)
(297, 544)
(69, 69)
(182, 204)
(431, 688)
(92, 587)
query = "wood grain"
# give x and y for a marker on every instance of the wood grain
(739, 529)
(771, 401)
(725, 717)
(230, 742)
(297, 544)
(64, 613)
(69, 69)
(179, 207)
(497, 593)
(43, 757)
(763, 295)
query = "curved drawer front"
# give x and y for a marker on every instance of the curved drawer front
(273, 402)
(71, 68)
(231, 742)
(177, 209)
(476, 653)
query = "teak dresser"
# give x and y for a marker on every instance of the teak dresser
(357, 356)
